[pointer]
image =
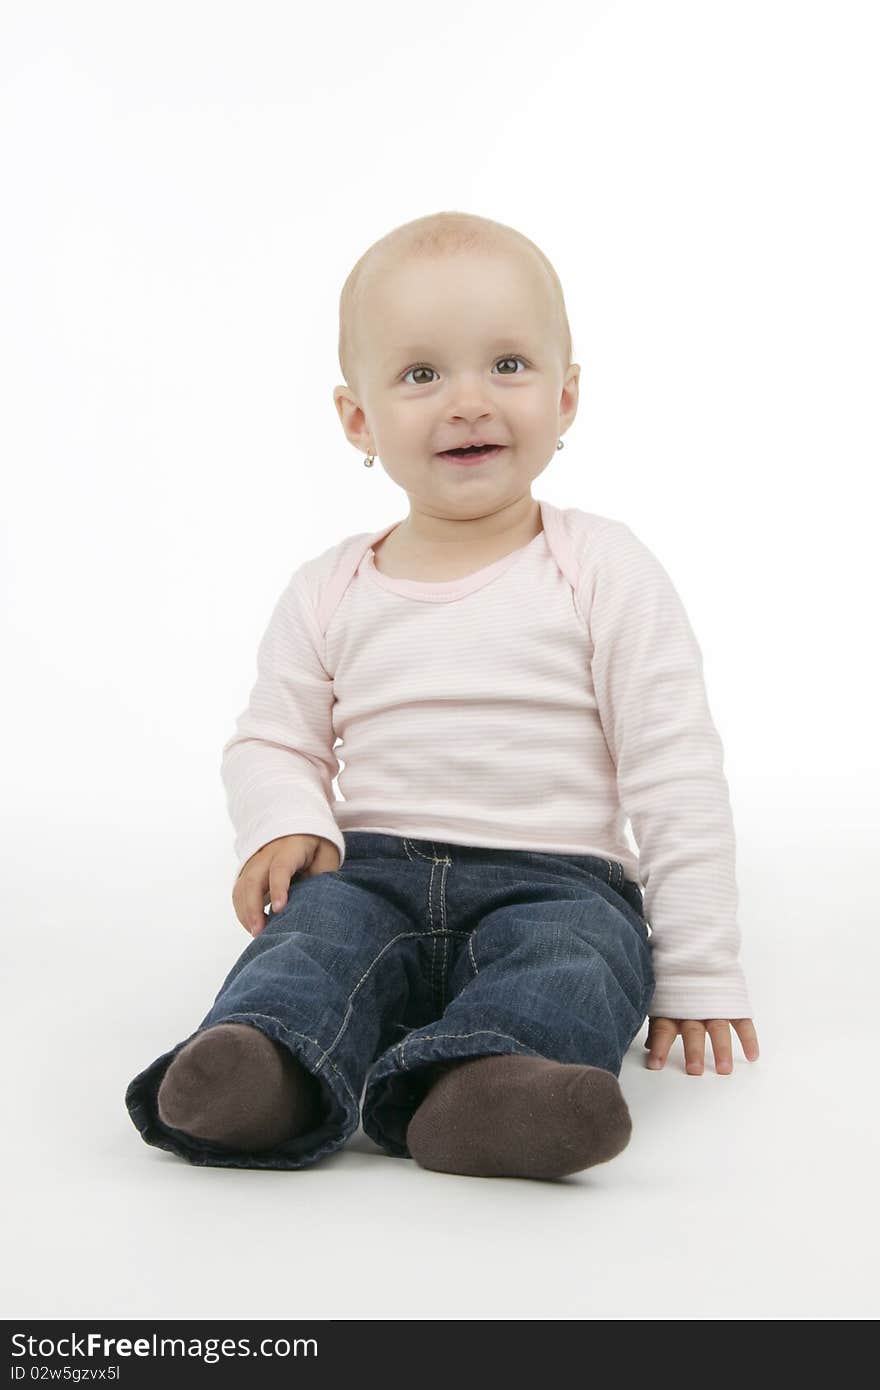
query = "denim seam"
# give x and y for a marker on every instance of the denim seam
(430, 918)
(349, 1003)
(434, 860)
(445, 966)
(447, 860)
(441, 931)
(471, 953)
(432, 1037)
(293, 1032)
(411, 849)
(473, 933)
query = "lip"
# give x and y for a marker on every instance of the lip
(474, 461)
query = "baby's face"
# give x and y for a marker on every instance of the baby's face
(453, 349)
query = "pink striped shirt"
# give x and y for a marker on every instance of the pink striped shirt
(536, 704)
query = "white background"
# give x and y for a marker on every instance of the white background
(185, 188)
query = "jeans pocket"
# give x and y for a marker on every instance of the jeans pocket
(632, 896)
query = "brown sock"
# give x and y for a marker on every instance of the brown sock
(232, 1085)
(518, 1116)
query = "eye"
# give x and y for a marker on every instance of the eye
(421, 367)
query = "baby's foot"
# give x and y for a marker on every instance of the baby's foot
(232, 1085)
(520, 1117)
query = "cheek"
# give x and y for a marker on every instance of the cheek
(534, 417)
(408, 424)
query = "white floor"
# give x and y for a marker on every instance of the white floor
(748, 1196)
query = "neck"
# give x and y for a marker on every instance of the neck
(424, 528)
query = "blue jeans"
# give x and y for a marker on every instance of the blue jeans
(415, 952)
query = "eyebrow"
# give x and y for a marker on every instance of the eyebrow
(497, 344)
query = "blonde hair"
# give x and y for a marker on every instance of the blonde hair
(438, 234)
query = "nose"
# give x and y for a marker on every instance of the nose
(470, 406)
(469, 397)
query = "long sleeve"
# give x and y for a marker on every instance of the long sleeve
(279, 766)
(647, 671)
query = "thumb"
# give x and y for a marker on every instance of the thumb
(324, 860)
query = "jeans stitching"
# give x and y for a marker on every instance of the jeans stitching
(432, 1037)
(471, 953)
(441, 931)
(443, 980)
(411, 849)
(434, 860)
(472, 934)
(430, 915)
(349, 1003)
(294, 1033)
(445, 940)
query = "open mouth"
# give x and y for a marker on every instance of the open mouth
(472, 454)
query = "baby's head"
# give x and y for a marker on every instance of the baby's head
(453, 328)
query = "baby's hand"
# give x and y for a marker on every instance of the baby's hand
(267, 875)
(662, 1033)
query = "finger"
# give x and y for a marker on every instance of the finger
(281, 871)
(719, 1031)
(252, 898)
(661, 1033)
(745, 1031)
(310, 861)
(326, 858)
(251, 922)
(693, 1035)
(656, 1025)
(238, 904)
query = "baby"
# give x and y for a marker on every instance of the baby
(458, 952)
